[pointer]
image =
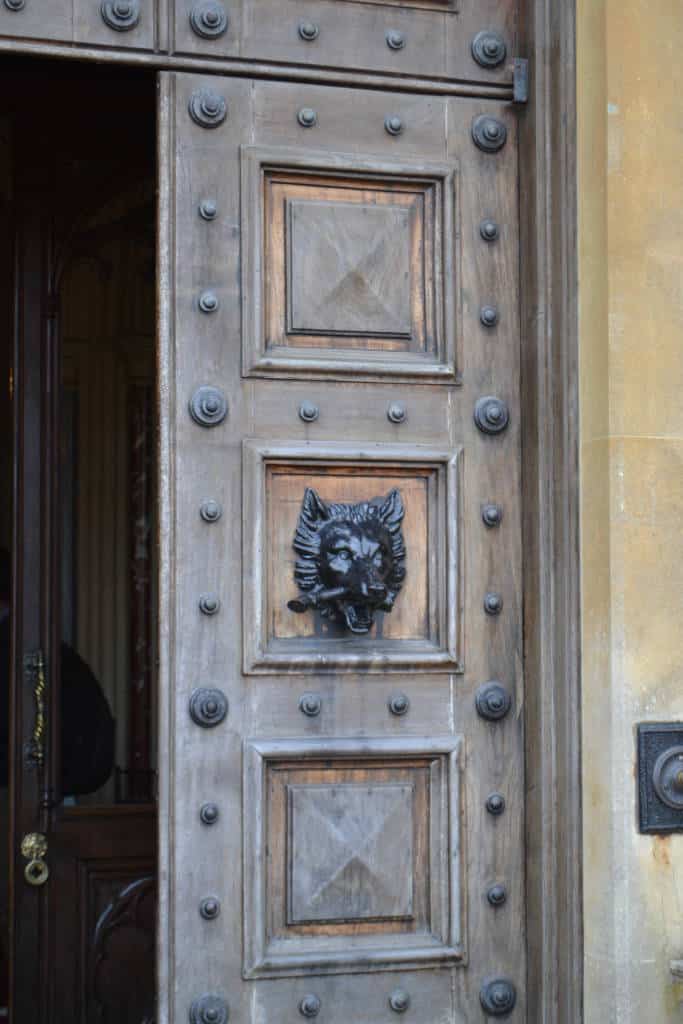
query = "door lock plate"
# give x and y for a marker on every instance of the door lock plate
(660, 777)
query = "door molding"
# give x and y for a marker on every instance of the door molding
(246, 68)
(551, 527)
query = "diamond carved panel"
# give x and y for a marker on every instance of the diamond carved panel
(354, 854)
(366, 284)
(351, 852)
(348, 266)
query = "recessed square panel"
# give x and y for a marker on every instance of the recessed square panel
(348, 266)
(284, 628)
(353, 847)
(351, 852)
(349, 269)
(356, 270)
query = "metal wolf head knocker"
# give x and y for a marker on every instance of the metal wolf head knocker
(351, 558)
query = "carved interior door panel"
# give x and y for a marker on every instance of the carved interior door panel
(343, 789)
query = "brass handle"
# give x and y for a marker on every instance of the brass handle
(34, 670)
(34, 849)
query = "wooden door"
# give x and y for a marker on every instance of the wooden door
(342, 778)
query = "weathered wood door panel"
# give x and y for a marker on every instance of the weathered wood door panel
(342, 569)
(123, 24)
(468, 40)
(433, 38)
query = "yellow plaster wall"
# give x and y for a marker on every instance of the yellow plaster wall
(630, 104)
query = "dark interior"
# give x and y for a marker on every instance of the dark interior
(78, 531)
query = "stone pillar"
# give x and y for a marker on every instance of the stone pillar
(630, 109)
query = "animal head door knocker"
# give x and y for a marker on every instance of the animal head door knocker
(351, 558)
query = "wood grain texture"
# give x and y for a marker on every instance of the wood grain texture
(352, 36)
(350, 851)
(551, 533)
(90, 29)
(166, 496)
(360, 256)
(81, 22)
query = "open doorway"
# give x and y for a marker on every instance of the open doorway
(78, 543)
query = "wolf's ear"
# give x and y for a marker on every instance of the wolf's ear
(391, 510)
(313, 506)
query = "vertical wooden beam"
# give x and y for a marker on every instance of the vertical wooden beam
(166, 492)
(551, 529)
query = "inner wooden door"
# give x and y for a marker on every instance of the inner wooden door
(342, 738)
(78, 547)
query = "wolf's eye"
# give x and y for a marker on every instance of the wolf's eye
(344, 554)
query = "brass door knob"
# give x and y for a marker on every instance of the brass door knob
(34, 849)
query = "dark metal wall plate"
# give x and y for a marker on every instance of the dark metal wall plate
(660, 762)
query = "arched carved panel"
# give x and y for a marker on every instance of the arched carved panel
(122, 973)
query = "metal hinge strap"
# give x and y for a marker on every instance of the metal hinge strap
(520, 81)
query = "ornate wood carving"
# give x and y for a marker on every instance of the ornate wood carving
(423, 630)
(123, 956)
(351, 558)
